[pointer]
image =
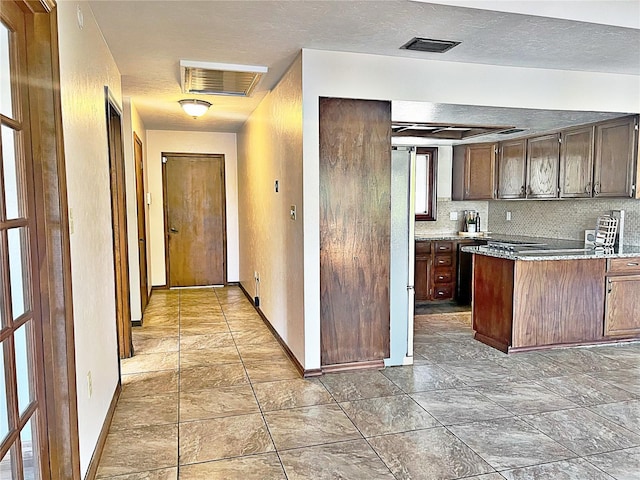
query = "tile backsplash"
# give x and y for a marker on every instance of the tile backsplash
(566, 219)
(443, 225)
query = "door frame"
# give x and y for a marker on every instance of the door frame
(119, 223)
(164, 156)
(52, 236)
(142, 223)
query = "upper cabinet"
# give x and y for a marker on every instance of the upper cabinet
(576, 163)
(512, 169)
(614, 174)
(543, 154)
(474, 172)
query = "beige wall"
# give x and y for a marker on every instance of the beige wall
(271, 243)
(86, 66)
(133, 123)
(166, 141)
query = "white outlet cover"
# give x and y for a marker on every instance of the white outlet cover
(453, 215)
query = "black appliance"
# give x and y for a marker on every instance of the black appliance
(465, 271)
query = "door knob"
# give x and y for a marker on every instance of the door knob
(174, 230)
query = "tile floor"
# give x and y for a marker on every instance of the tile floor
(211, 395)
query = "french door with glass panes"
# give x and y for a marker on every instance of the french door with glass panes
(22, 424)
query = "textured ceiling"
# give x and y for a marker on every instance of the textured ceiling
(149, 38)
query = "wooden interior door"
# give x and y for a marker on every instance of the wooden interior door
(119, 220)
(195, 219)
(142, 223)
(23, 434)
(355, 227)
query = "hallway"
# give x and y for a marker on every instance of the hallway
(211, 395)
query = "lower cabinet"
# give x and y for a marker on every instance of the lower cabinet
(435, 270)
(621, 318)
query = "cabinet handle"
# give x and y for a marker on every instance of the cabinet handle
(442, 247)
(609, 286)
(523, 191)
(529, 191)
(596, 188)
(632, 264)
(587, 189)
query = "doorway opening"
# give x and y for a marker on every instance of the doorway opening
(142, 222)
(119, 221)
(195, 219)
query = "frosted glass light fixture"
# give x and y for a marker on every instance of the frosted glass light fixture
(194, 108)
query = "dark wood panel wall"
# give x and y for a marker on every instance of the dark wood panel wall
(355, 223)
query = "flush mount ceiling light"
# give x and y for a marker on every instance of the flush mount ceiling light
(219, 78)
(194, 108)
(429, 45)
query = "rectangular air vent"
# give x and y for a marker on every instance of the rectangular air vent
(429, 45)
(510, 131)
(219, 78)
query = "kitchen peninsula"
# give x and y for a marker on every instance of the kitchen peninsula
(554, 294)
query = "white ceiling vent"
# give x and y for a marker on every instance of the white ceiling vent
(219, 78)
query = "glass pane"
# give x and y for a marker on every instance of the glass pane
(6, 466)
(28, 437)
(6, 107)
(17, 270)
(422, 180)
(22, 342)
(12, 181)
(4, 412)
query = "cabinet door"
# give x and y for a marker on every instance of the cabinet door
(543, 157)
(512, 169)
(622, 306)
(576, 163)
(614, 162)
(422, 277)
(480, 172)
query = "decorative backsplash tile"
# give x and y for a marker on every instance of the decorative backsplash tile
(443, 225)
(566, 219)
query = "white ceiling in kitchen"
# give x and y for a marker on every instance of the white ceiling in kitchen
(149, 38)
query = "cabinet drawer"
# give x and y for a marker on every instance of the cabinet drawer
(443, 275)
(442, 292)
(623, 265)
(423, 247)
(443, 260)
(443, 247)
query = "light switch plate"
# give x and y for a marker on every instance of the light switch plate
(453, 215)
(292, 212)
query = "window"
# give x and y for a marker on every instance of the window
(426, 173)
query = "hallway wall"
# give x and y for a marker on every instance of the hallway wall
(168, 141)
(86, 66)
(271, 243)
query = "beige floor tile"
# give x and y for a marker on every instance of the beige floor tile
(285, 394)
(150, 362)
(138, 450)
(161, 474)
(145, 411)
(210, 340)
(255, 467)
(261, 353)
(212, 376)
(144, 343)
(227, 437)
(271, 371)
(149, 383)
(217, 402)
(209, 356)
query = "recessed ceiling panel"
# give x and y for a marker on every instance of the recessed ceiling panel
(219, 78)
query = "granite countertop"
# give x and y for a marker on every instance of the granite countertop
(551, 252)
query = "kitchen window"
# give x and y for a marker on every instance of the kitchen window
(426, 173)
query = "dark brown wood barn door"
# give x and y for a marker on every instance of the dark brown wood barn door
(355, 219)
(142, 223)
(195, 219)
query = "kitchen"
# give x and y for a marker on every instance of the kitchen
(548, 225)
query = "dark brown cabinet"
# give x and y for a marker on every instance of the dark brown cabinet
(474, 172)
(622, 298)
(435, 270)
(543, 157)
(615, 150)
(576, 163)
(512, 171)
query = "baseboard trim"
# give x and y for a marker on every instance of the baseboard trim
(345, 367)
(102, 438)
(282, 343)
(159, 287)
